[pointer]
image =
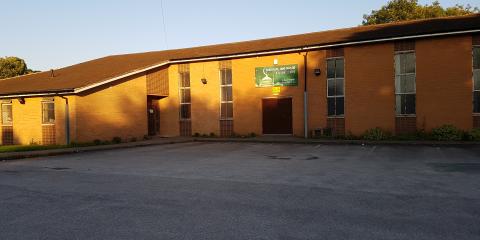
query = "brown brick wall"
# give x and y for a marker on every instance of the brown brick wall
(48, 135)
(7, 135)
(405, 125)
(369, 88)
(337, 125)
(157, 82)
(444, 82)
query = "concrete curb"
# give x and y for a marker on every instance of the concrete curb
(72, 150)
(341, 142)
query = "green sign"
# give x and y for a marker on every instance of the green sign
(285, 75)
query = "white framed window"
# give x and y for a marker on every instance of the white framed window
(7, 115)
(405, 83)
(226, 94)
(476, 79)
(185, 97)
(48, 112)
(336, 87)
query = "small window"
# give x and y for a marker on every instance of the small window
(185, 96)
(476, 79)
(405, 83)
(7, 116)
(226, 94)
(335, 86)
(48, 112)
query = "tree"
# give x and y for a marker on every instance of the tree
(12, 67)
(401, 10)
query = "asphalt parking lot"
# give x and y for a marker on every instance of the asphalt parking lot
(244, 191)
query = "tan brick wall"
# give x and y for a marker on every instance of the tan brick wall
(247, 99)
(118, 110)
(444, 82)
(27, 121)
(205, 98)
(369, 88)
(317, 90)
(169, 106)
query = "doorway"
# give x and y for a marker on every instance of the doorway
(277, 116)
(153, 115)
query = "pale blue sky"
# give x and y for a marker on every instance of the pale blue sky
(55, 33)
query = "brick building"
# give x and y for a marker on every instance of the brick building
(401, 77)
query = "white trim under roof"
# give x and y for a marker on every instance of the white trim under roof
(262, 53)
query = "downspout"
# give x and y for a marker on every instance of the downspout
(305, 96)
(67, 121)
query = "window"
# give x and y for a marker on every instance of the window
(48, 112)
(405, 86)
(7, 116)
(476, 79)
(226, 98)
(185, 98)
(335, 87)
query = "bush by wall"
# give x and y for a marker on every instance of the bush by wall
(474, 134)
(376, 134)
(447, 133)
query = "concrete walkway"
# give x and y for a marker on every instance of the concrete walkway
(261, 139)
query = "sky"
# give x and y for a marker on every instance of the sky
(51, 34)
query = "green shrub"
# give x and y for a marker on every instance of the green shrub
(327, 132)
(474, 134)
(376, 134)
(447, 133)
(212, 134)
(97, 142)
(133, 139)
(196, 134)
(252, 135)
(116, 140)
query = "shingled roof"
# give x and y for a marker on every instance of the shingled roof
(93, 72)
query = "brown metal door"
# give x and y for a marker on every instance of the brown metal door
(277, 116)
(153, 113)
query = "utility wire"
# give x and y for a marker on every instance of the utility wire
(164, 25)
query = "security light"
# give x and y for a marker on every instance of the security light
(317, 72)
(204, 81)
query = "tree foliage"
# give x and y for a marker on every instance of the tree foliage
(12, 67)
(401, 10)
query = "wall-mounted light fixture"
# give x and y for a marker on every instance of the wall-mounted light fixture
(317, 72)
(204, 81)
(21, 100)
(275, 61)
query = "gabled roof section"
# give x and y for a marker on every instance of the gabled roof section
(98, 71)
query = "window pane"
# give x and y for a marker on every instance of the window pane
(226, 75)
(340, 106)
(409, 104)
(409, 62)
(226, 110)
(331, 87)
(476, 77)
(398, 104)
(7, 114)
(227, 93)
(405, 104)
(185, 95)
(339, 68)
(331, 106)
(185, 111)
(331, 68)
(397, 64)
(339, 87)
(476, 102)
(48, 112)
(476, 58)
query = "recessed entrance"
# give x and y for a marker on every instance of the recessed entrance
(277, 115)
(153, 114)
